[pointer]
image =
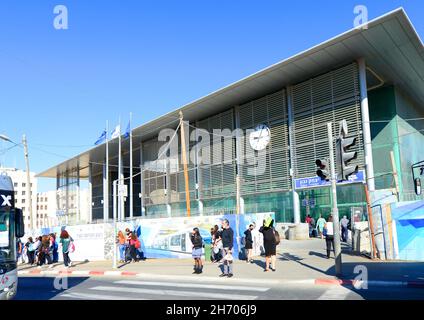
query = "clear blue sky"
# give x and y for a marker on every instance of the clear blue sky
(149, 57)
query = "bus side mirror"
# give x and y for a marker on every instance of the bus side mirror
(417, 185)
(19, 223)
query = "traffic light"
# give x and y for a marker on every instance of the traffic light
(343, 157)
(322, 171)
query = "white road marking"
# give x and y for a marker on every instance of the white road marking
(205, 279)
(113, 273)
(211, 295)
(87, 296)
(335, 293)
(191, 285)
(80, 273)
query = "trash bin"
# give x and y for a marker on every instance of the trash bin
(208, 251)
(292, 233)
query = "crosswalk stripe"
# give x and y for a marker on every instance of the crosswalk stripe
(174, 293)
(335, 293)
(216, 279)
(85, 296)
(191, 285)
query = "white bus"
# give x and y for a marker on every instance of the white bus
(11, 228)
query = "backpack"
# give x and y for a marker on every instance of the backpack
(277, 238)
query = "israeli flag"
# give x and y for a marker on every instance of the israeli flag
(101, 139)
(116, 133)
(127, 132)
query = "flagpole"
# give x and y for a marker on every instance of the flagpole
(131, 171)
(106, 200)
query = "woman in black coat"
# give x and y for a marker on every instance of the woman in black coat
(249, 243)
(270, 244)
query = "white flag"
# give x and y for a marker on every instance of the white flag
(116, 133)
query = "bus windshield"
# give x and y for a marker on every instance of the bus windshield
(7, 234)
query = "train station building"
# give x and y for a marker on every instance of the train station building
(371, 76)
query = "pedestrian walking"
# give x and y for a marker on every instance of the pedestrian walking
(67, 247)
(329, 236)
(29, 245)
(308, 221)
(122, 245)
(197, 241)
(248, 245)
(44, 252)
(320, 226)
(36, 248)
(54, 248)
(344, 223)
(270, 244)
(19, 250)
(227, 236)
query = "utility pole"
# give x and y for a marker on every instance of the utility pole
(29, 197)
(336, 220)
(184, 158)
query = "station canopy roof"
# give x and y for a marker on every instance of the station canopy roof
(390, 45)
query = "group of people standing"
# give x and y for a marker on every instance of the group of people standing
(325, 229)
(129, 247)
(45, 250)
(222, 248)
(223, 243)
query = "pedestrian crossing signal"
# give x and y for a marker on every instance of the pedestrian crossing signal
(322, 171)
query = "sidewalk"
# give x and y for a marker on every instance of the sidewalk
(297, 262)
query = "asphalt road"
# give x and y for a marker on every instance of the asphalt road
(84, 288)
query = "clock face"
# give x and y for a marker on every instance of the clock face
(260, 137)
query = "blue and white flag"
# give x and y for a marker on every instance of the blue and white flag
(101, 139)
(127, 132)
(116, 132)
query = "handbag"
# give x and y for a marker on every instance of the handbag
(72, 247)
(229, 257)
(324, 232)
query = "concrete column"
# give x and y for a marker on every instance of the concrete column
(168, 188)
(366, 129)
(239, 163)
(90, 193)
(143, 211)
(295, 195)
(199, 178)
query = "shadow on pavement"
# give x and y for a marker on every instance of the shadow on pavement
(297, 259)
(45, 288)
(383, 271)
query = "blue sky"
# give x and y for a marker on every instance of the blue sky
(146, 57)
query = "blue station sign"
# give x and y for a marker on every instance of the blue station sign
(314, 182)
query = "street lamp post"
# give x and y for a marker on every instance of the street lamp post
(28, 174)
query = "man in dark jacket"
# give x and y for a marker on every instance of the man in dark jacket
(227, 236)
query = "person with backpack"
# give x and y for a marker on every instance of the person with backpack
(270, 244)
(248, 243)
(197, 241)
(30, 251)
(67, 247)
